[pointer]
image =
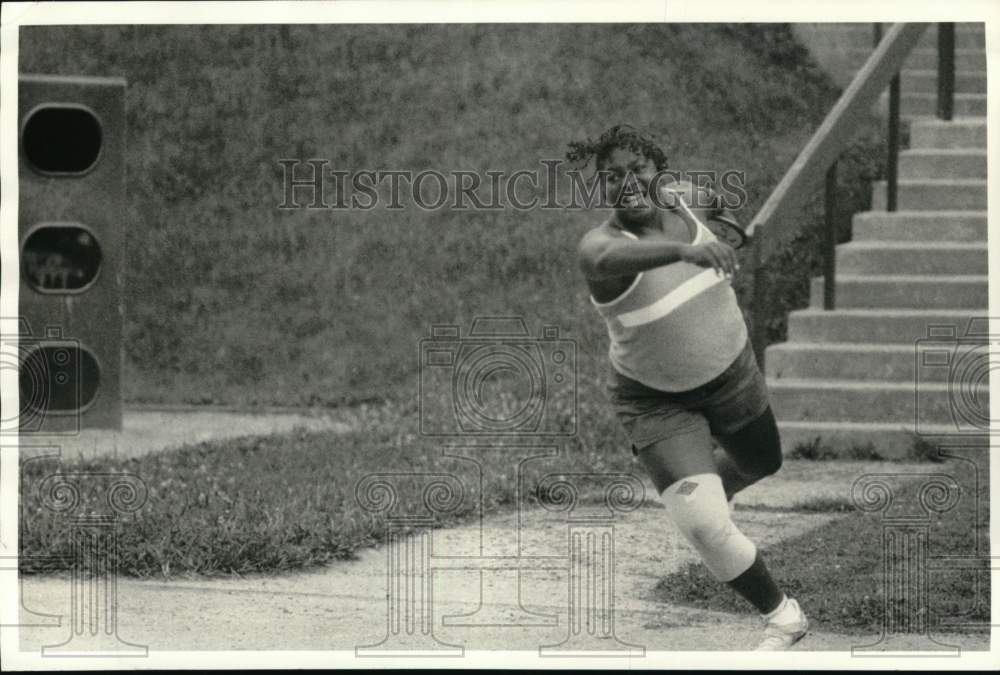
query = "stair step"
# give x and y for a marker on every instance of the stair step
(905, 403)
(969, 132)
(906, 291)
(926, 81)
(965, 226)
(925, 59)
(857, 440)
(968, 35)
(868, 361)
(900, 326)
(893, 257)
(937, 195)
(937, 163)
(875, 377)
(965, 59)
(916, 104)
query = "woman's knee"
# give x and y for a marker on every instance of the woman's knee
(756, 448)
(697, 506)
(761, 465)
(771, 463)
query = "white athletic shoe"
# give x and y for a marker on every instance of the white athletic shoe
(781, 636)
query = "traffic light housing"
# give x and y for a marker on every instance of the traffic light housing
(71, 221)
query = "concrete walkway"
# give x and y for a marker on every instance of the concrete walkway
(146, 431)
(474, 606)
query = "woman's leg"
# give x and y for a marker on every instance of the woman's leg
(684, 471)
(687, 452)
(750, 453)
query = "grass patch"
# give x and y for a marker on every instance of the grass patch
(835, 571)
(864, 452)
(812, 505)
(283, 502)
(926, 451)
(815, 449)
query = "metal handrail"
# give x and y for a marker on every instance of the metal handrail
(833, 135)
(892, 148)
(775, 222)
(830, 240)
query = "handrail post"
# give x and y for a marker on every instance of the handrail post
(892, 161)
(758, 309)
(876, 33)
(946, 71)
(830, 240)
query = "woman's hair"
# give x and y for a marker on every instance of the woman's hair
(619, 136)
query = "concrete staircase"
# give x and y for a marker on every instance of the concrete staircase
(841, 48)
(862, 377)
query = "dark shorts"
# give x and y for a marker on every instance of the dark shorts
(719, 407)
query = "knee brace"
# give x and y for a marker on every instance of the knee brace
(698, 508)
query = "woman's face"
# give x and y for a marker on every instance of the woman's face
(628, 176)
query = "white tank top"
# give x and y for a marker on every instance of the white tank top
(677, 326)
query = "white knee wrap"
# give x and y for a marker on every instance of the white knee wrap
(697, 506)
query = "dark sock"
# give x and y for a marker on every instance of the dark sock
(757, 586)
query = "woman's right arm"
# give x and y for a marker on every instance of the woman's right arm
(602, 256)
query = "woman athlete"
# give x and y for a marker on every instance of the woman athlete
(682, 369)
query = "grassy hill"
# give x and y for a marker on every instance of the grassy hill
(230, 299)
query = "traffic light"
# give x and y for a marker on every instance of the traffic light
(71, 226)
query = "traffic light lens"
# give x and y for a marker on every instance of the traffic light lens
(62, 140)
(58, 378)
(60, 258)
